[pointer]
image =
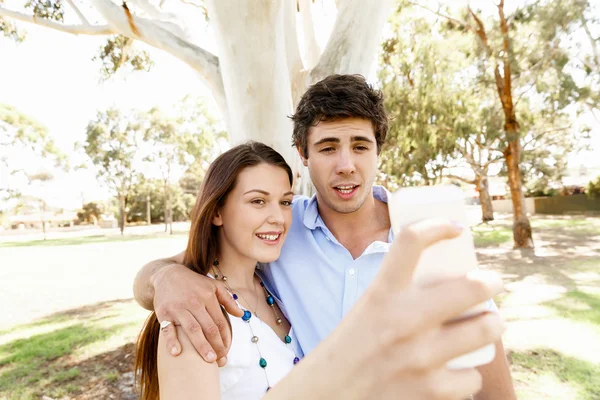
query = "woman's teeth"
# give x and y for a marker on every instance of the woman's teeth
(268, 237)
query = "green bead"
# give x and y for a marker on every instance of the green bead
(263, 363)
(287, 339)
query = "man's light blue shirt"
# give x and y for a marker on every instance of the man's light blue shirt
(316, 278)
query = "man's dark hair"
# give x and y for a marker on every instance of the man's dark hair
(338, 97)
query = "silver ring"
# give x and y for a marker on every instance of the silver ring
(164, 324)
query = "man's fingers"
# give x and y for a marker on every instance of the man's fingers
(228, 302)
(194, 331)
(400, 262)
(170, 334)
(456, 384)
(219, 338)
(463, 337)
(458, 296)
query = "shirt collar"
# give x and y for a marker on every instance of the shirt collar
(312, 219)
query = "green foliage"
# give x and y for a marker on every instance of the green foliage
(47, 9)
(112, 141)
(22, 132)
(440, 113)
(593, 189)
(119, 52)
(89, 213)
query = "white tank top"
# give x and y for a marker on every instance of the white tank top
(242, 378)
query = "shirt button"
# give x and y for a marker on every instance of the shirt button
(351, 272)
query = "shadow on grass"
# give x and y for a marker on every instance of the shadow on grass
(75, 314)
(484, 236)
(582, 376)
(578, 306)
(27, 365)
(75, 241)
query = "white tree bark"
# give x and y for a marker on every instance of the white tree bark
(251, 42)
(353, 43)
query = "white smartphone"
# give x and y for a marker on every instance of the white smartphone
(447, 259)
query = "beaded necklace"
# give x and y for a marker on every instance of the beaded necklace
(287, 339)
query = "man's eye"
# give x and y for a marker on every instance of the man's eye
(361, 148)
(327, 150)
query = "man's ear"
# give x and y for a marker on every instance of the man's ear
(303, 157)
(217, 219)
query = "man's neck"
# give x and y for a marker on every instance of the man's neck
(358, 229)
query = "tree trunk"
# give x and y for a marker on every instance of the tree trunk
(122, 216)
(521, 227)
(44, 219)
(253, 63)
(148, 211)
(487, 210)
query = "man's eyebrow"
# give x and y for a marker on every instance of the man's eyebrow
(361, 139)
(327, 140)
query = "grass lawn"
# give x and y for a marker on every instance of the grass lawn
(86, 240)
(552, 307)
(71, 353)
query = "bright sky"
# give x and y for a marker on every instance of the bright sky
(51, 76)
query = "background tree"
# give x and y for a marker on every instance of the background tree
(39, 183)
(90, 213)
(520, 55)
(254, 100)
(22, 136)
(112, 141)
(442, 120)
(186, 140)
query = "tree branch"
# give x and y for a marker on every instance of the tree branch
(292, 51)
(72, 29)
(592, 42)
(206, 63)
(448, 17)
(354, 39)
(460, 178)
(78, 12)
(312, 51)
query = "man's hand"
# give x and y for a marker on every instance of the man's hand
(193, 301)
(397, 340)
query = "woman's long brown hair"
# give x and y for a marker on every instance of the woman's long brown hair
(203, 243)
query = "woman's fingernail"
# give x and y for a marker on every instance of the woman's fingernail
(210, 356)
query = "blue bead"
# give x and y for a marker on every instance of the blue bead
(263, 363)
(269, 388)
(296, 360)
(287, 339)
(235, 296)
(270, 300)
(247, 315)
(262, 284)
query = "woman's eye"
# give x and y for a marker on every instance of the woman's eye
(258, 201)
(286, 203)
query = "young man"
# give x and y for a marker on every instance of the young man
(336, 244)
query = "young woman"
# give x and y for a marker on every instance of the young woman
(241, 217)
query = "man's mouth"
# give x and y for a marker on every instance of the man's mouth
(345, 189)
